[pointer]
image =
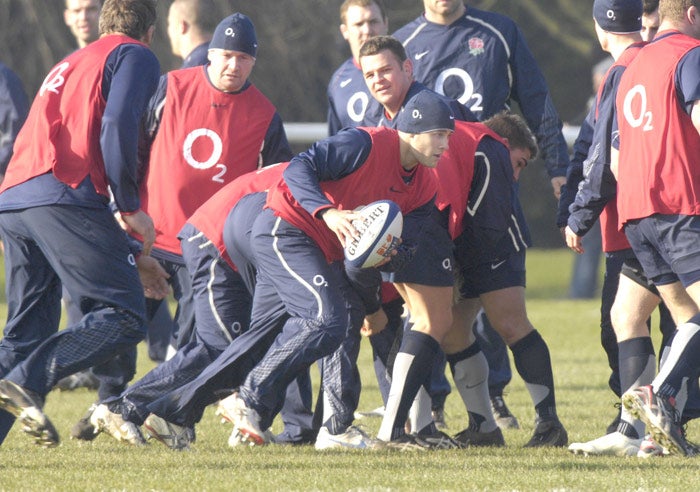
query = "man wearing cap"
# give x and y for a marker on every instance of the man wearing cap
(658, 115)
(400, 88)
(204, 127)
(628, 296)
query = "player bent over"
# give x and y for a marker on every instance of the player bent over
(222, 296)
(490, 253)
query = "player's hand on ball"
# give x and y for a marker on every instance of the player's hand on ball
(340, 222)
(153, 277)
(374, 323)
(142, 224)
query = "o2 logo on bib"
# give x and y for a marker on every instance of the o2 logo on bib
(202, 150)
(635, 110)
(54, 80)
(467, 83)
(357, 106)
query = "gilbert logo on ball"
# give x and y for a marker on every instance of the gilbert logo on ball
(380, 232)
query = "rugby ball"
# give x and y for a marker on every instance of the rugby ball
(380, 232)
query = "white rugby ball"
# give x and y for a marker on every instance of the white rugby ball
(380, 232)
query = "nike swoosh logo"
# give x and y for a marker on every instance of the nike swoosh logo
(391, 188)
(496, 265)
(421, 55)
(345, 82)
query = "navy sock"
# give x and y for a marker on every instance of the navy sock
(411, 370)
(531, 357)
(637, 366)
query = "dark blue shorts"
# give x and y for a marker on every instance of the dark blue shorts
(632, 269)
(667, 247)
(496, 275)
(434, 259)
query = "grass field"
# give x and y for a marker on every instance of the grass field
(585, 407)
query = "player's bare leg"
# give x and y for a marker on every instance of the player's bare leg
(431, 314)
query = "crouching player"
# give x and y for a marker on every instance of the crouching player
(221, 292)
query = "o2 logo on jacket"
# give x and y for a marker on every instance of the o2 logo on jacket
(467, 94)
(634, 108)
(353, 113)
(54, 79)
(192, 151)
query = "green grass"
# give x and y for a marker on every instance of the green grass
(585, 407)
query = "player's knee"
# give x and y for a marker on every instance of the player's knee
(626, 323)
(513, 329)
(436, 324)
(334, 328)
(133, 325)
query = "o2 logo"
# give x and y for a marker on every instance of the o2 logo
(354, 114)
(236, 328)
(467, 95)
(54, 80)
(217, 149)
(634, 108)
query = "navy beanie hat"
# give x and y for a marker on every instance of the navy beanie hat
(425, 112)
(235, 33)
(618, 16)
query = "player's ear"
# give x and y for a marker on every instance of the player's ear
(344, 31)
(693, 15)
(408, 66)
(148, 37)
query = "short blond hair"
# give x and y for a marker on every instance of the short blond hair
(674, 10)
(130, 17)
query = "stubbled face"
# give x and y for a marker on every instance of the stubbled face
(388, 79)
(650, 25)
(82, 17)
(428, 147)
(362, 23)
(229, 70)
(443, 11)
(519, 158)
